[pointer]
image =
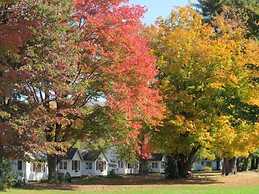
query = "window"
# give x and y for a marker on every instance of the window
(19, 165)
(100, 165)
(63, 165)
(130, 165)
(154, 165)
(88, 165)
(120, 164)
(75, 165)
(37, 167)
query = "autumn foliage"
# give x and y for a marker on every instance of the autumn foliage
(64, 57)
(84, 70)
(207, 86)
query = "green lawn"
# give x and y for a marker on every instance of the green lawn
(156, 190)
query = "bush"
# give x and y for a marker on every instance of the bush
(68, 178)
(61, 177)
(112, 174)
(18, 182)
(7, 178)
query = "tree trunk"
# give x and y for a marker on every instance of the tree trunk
(246, 162)
(229, 166)
(254, 163)
(52, 167)
(184, 166)
(218, 164)
(172, 170)
(257, 162)
(143, 167)
(1, 170)
(1, 162)
(180, 165)
(52, 158)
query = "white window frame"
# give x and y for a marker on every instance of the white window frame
(76, 165)
(63, 165)
(88, 165)
(154, 165)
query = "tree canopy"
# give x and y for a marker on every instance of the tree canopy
(205, 84)
(60, 59)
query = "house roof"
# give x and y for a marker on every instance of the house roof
(70, 154)
(90, 155)
(156, 157)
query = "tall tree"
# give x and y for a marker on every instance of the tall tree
(246, 10)
(203, 71)
(247, 13)
(76, 54)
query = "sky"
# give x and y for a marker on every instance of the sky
(158, 8)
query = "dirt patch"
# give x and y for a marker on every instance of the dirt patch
(118, 183)
(241, 179)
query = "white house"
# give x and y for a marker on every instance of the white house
(120, 166)
(71, 163)
(125, 168)
(79, 163)
(201, 165)
(34, 170)
(156, 163)
(94, 163)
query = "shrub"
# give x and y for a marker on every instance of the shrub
(68, 178)
(7, 178)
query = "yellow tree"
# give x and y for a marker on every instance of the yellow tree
(207, 87)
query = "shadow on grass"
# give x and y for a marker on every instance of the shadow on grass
(144, 180)
(48, 186)
(88, 182)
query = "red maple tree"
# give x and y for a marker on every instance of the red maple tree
(71, 55)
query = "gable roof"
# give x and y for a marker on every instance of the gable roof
(70, 154)
(156, 157)
(90, 155)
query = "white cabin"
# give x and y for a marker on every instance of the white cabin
(30, 171)
(83, 163)
(156, 163)
(71, 163)
(94, 163)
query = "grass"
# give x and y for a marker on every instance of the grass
(205, 189)
(200, 183)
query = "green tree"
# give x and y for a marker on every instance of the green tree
(247, 11)
(202, 70)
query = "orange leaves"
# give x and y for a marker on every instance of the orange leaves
(130, 70)
(203, 75)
